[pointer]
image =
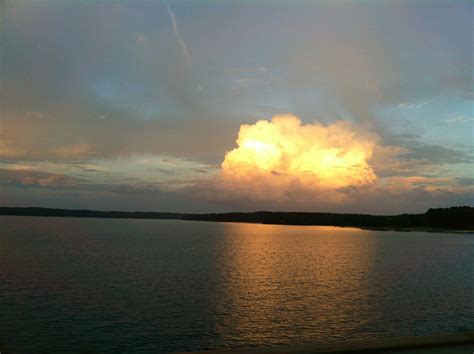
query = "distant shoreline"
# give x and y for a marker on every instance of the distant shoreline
(420, 229)
(398, 229)
(453, 220)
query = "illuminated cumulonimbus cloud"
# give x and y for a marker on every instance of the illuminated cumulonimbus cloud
(283, 157)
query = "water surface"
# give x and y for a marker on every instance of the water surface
(72, 284)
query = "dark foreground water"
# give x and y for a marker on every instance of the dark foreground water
(158, 285)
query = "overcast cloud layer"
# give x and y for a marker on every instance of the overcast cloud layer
(134, 105)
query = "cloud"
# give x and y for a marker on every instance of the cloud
(414, 159)
(127, 93)
(413, 105)
(438, 155)
(284, 161)
(429, 184)
(28, 178)
(409, 153)
(73, 151)
(68, 134)
(459, 119)
(282, 164)
(26, 187)
(283, 150)
(361, 69)
(8, 150)
(181, 42)
(395, 196)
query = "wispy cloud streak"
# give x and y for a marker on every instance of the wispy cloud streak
(181, 42)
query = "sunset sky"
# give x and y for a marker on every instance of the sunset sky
(198, 106)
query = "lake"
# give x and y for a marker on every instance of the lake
(73, 284)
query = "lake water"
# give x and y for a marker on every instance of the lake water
(71, 284)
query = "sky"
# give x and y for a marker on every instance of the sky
(213, 106)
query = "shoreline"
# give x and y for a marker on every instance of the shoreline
(185, 217)
(420, 229)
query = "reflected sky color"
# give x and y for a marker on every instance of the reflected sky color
(164, 285)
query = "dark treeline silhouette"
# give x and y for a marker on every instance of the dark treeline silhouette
(84, 213)
(447, 218)
(461, 218)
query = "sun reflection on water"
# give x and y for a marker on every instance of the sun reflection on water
(303, 283)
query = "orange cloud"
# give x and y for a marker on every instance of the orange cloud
(286, 163)
(19, 177)
(430, 184)
(282, 164)
(284, 154)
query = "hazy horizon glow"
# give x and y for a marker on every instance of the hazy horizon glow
(199, 106)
